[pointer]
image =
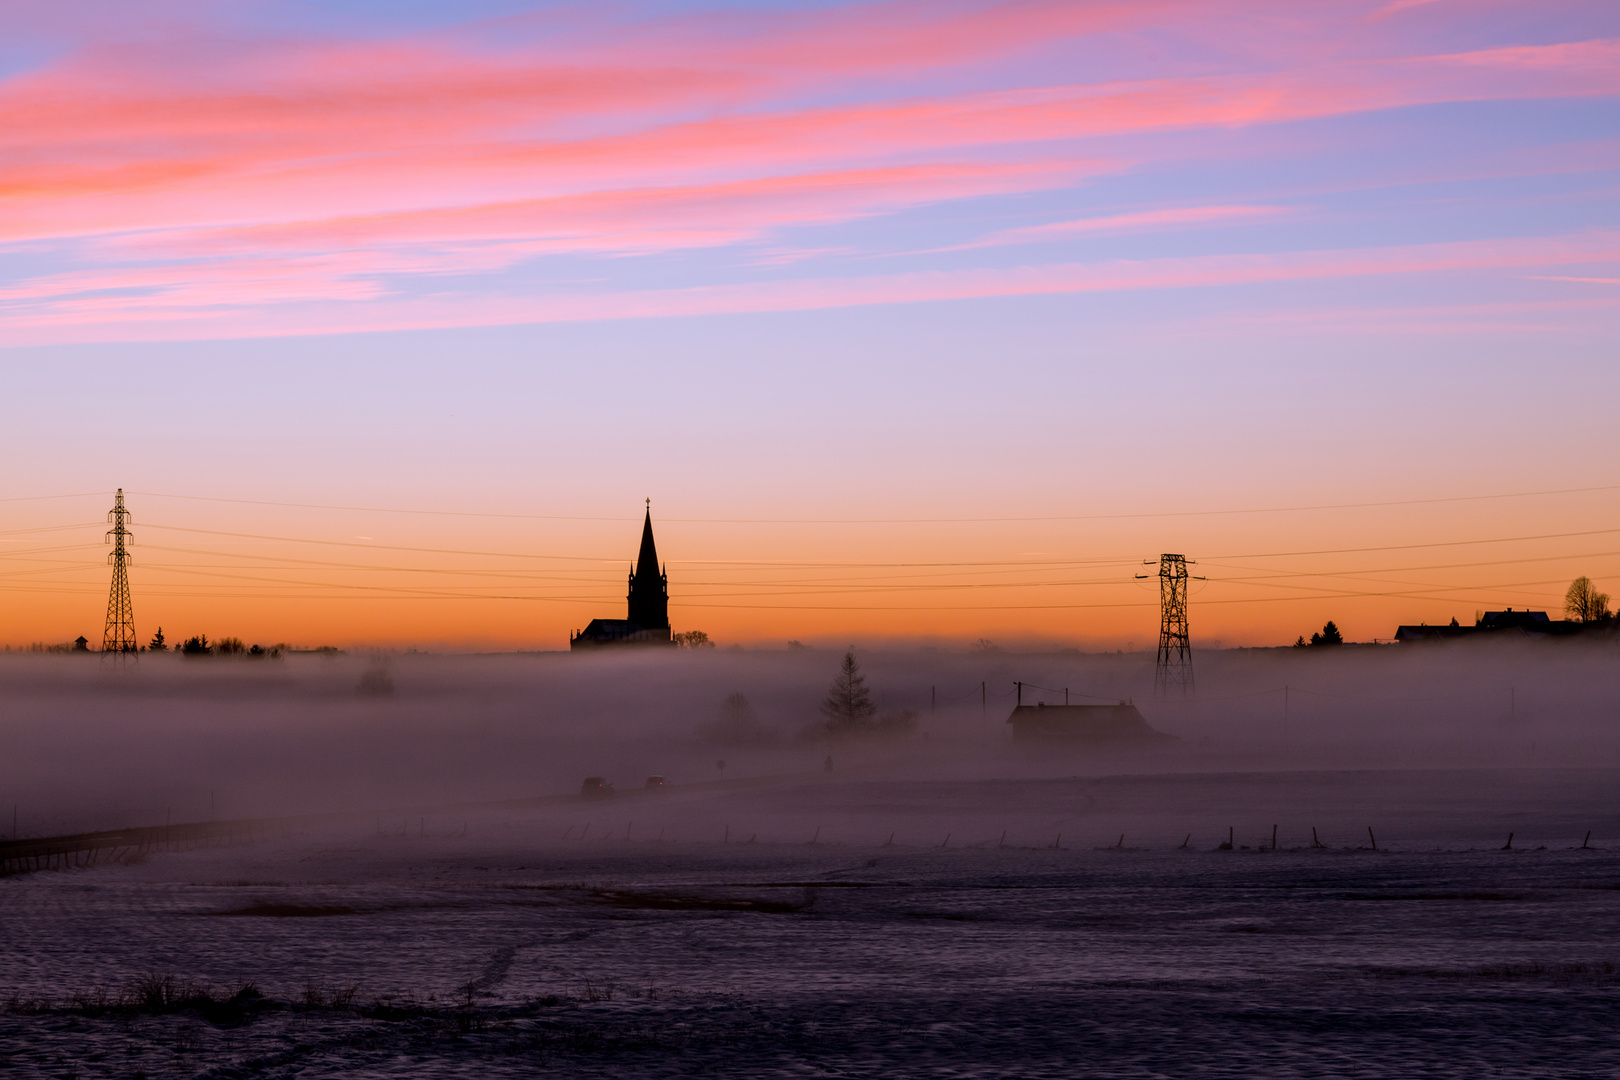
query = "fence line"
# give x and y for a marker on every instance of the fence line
(125, 845)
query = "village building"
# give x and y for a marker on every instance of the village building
(647, 620)
(1120, 724)
(1507, 622)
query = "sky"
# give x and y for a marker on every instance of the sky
(914, 321)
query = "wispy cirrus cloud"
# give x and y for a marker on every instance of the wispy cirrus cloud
(1130, 221)
(1398, 6)
(366, 154)
(636, 220)
(92, 317)
(197, 171)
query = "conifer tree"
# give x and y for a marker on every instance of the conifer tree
(849, 702)
(1330, 635)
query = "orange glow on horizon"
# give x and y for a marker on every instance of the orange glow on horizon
(402, 581)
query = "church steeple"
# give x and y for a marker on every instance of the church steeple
(649, 589)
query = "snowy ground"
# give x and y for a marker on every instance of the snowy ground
(463, 943)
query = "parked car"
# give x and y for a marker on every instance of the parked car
(596, 787)
(656, 783)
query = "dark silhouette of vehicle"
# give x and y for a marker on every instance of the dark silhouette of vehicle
(656, 783)
(596, 787)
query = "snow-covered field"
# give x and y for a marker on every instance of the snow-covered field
(486, 944)
(950, 904)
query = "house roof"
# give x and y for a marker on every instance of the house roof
(1092, 723)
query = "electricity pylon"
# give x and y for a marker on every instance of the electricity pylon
(1173, 668)
(119, 637)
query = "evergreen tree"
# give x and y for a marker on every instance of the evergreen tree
(158, 644)
(1329, 636)
(849, 703)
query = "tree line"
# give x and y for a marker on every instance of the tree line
(1583, 603)
(199, 645)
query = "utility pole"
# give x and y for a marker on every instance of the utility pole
(1020, 694)
(1173, 667)
(118, 638)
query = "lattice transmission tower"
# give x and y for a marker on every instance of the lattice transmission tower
(119, 637)
(1173, 668)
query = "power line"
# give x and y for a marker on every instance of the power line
(1264, 575)
(386, 547)
(1259, 578)
(45, 550)
(713, 567)
(1418, 597)
(612, 561)
(898, 521)
(876, 565)
(53, 528)
(379, 509)
(1415, 547)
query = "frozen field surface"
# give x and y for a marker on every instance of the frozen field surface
(487, 945)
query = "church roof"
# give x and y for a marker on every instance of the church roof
(1091, 723)
(647, 560)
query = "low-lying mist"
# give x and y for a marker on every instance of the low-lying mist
(89, 746)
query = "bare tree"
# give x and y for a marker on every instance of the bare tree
(376, 681)
(737, 724)
(1584, 603)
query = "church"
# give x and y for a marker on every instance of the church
(647, 622)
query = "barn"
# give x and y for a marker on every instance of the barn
(1119, 724)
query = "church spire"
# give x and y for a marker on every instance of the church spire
(649, 589)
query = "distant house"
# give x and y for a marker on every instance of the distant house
(81, 644)
(1531, 622)
(647, 622)
(1505, 622)
(1425, 632)
(1101, 724)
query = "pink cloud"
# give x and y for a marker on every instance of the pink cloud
(641, 219)
(96, 167)
(350, 257)
(99, 319)
(901, 35)
(1399, 6)
(287, 171)
(1126, 222)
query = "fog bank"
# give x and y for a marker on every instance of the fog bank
(89, 746)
